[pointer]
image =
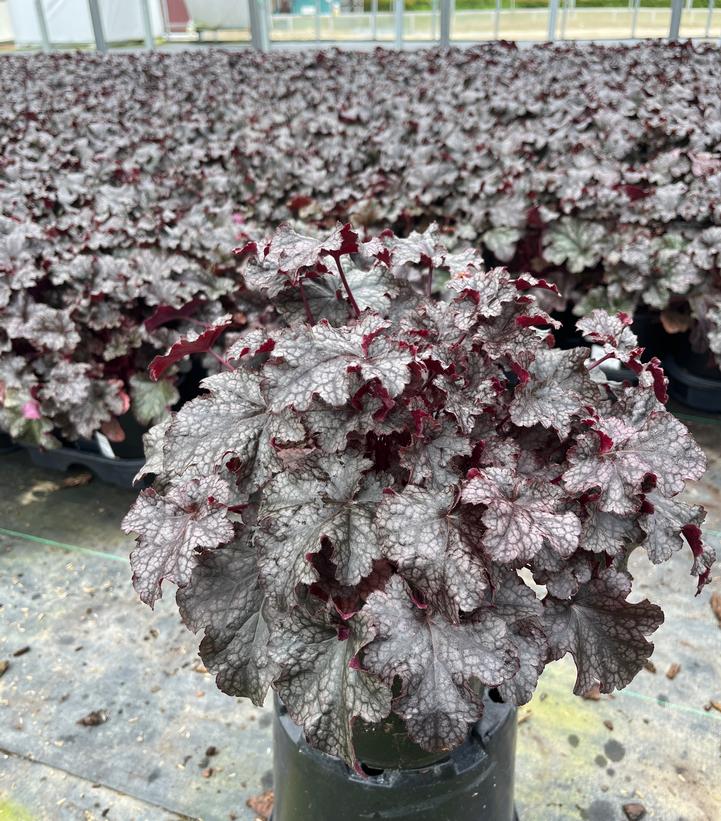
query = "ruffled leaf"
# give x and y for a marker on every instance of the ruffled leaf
(329, 499)
(321, 684)
(225, 599)
(435, 546)
(318, 361)
(440, 664)
(192, 343)
(603, 632)
(172, 528)
(232, 420)
(520, 516)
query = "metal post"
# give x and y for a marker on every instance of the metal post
(434, 14)
(100, 43)
(258, 29)
(374, 19)
(634, 19)
(399, 23)
(564, 15)
(552, 16)
(317, 22)
(708, 18)
(676, 12)
(43, 24)
(445, 23)
(497, 20)
(147, 25)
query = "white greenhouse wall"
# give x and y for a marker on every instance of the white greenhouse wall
(68, 21)
(218, 14)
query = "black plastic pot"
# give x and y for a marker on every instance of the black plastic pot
(6, 443)
(697, 390)
(118, 472)
(472, 783)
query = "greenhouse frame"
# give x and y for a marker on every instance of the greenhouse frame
(266, 24)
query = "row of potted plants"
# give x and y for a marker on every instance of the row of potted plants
(126, 179)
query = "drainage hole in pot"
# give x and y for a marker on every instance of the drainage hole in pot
(372, 771)
(494, 695)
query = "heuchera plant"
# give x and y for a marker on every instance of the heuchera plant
(396, 500)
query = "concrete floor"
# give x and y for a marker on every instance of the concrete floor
(93, 647)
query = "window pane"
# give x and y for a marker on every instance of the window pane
(473, 20)
(654, 19)
(524, 20)
(356, 20)
(422, 20)
(292, 20)
(702, 20)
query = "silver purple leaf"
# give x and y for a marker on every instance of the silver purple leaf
(562, 577)
(490, 290)
(432, 460)
(440, 664)
(316, 362)
(663, 525)
(331, 499)
(611, 331)
(293, 253)
(153, 442)
(603, 632)
(521, 516)
(608, 533)
(435, 546)
(321, 682)
(520, 609)
(232, 420)
(641, 443)
(558, 389)
(172, 528)
(224, 598)
(327, 298)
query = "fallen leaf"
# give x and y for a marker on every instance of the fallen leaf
(675, 322)
(262, 805)
(94, 718)
(37, 492)
(634, 811)
(77, 479)
(713, 705)
(594, 694)
(716, 606)
(522, 719)
(207, 772)
(21, 651)
(673, 670)
(650, 666)
(608, 724)
(211, 751)
(4, 664)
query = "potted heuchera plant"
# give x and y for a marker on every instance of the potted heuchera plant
(362, 512)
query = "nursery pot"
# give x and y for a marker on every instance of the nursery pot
(694, 378)
(6, 443)
(400, 781)
(693, 384)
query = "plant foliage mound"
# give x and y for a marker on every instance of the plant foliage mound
(355, 511)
